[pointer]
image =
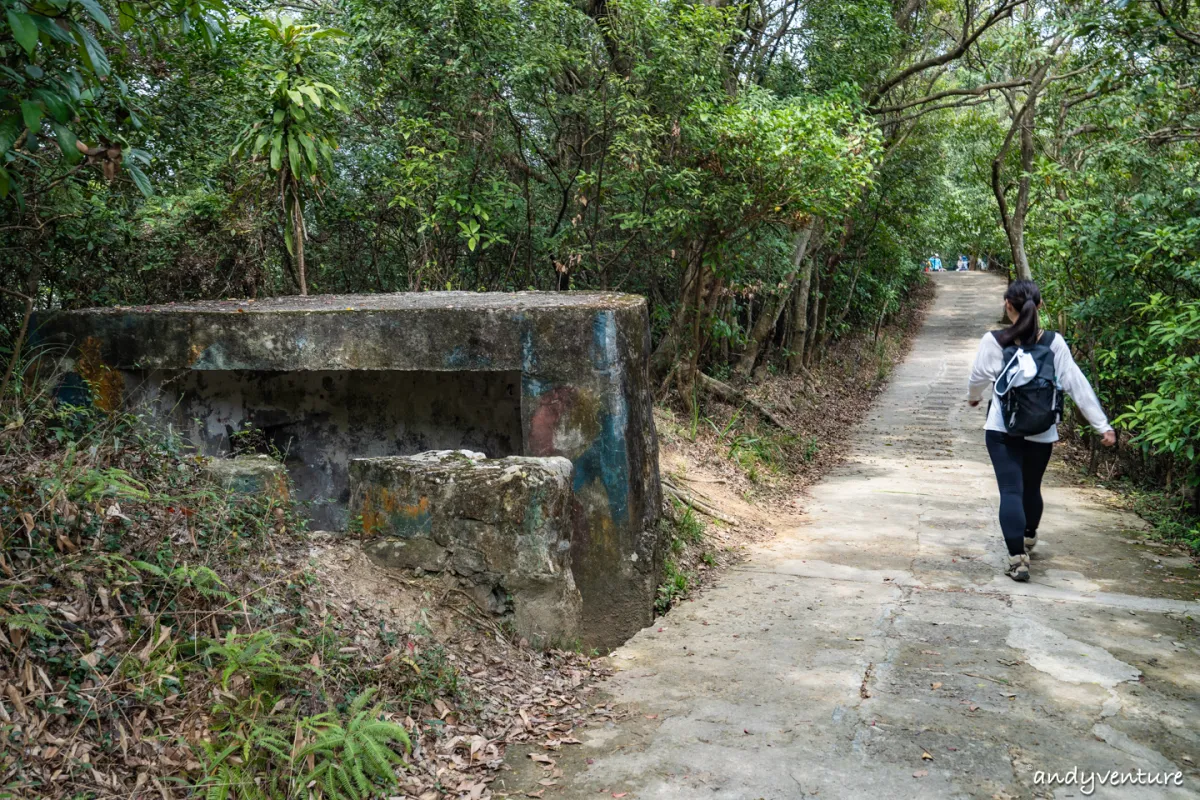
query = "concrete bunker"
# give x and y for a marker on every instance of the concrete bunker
(329, 379)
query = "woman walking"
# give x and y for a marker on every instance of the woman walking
(1020, 459)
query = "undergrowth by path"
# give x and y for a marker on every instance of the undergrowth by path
(767, 467)
(1172, 516)
(160, 637)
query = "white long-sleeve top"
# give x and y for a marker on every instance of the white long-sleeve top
(989, 362)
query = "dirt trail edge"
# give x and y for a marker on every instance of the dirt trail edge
(877, 650)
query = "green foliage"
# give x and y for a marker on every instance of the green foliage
(684, 532)
(1171, 517)
(675, 585)
(33, 621)
(258, 657)
(198, 578)
(274, 713)
(349, 756)
(58, 79)
(1166, 420)
(294, 139)
(355, 758)
(688, 527)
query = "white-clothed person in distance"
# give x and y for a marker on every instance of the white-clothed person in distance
(1020, 461)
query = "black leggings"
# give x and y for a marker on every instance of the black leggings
(1019, 465)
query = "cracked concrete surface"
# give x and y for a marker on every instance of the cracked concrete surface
(881, 631)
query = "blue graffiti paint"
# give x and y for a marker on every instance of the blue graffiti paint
(73, 390)
(410, 526)
(603, 334)
(462, 358)
(457, 358)
(531, 387)
(213, 357)
(607, 459)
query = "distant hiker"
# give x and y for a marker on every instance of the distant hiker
(1027, 370)
(935, 264)
(962, 263)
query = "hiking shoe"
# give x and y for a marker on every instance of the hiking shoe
(1018, 567)
(1030, 541)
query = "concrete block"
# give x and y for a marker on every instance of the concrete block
(249, 475)
(503, 524)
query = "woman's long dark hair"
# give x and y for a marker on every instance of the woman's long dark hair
(1025, 298)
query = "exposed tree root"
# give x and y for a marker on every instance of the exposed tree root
(693, 499)
(723, 391)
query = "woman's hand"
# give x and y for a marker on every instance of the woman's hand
(1109, 438)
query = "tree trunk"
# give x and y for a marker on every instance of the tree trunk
(667, 352)
(29, 296)
(298, 239)
(800, 318)
(726, 314)
(1021, 129)
(770, 313)
(850, 297)
(814, 307)
(825, 283)
(736, 397)
(818, 339)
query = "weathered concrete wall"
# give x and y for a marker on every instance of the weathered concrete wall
(319, 420)
(502, 524)
(584, 392)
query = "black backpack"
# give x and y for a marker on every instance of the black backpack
(1036, 406)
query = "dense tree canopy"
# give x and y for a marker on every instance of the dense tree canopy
(771, 174)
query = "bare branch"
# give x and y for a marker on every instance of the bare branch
(968, 37)
(966, 103)
(1191, 37)
(978, 90)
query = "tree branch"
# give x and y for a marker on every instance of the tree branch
(978, 90)
(968, 37)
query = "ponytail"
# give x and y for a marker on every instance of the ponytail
(1025, 297)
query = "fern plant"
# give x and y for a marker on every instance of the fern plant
(200, 579)
(354, 760)
(250, 767)
(259, 656)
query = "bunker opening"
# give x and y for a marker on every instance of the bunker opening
(316, 421)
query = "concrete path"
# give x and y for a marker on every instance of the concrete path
(878, 652)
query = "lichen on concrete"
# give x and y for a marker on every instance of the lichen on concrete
(501, 524)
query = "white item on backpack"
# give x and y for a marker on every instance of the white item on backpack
(1019, 370)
